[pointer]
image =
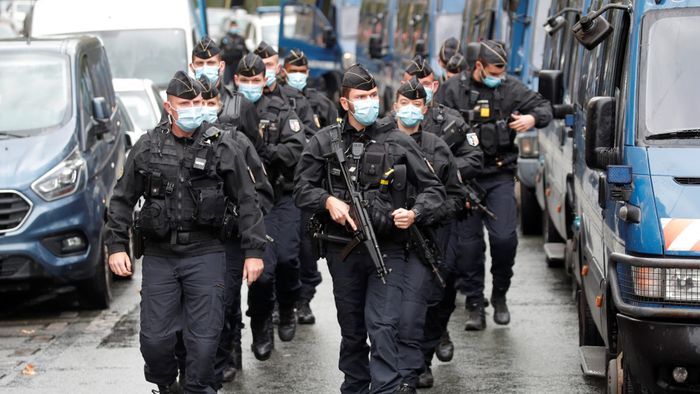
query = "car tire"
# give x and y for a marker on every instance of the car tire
(530, 212)
(587, 331)
(96, 292)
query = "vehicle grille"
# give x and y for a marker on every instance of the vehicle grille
(659, 287)
(687, 180)
(14, 208)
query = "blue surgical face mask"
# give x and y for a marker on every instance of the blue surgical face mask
(210, 114)
(234, 30)
(251, 92)
(189, 118)
(297, 80)
(429, 95)
(366, 111)
(490, 81)
(409, 115)
(211, 72)
(271, 76)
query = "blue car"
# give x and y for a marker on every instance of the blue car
(62, 150)
(636, 174)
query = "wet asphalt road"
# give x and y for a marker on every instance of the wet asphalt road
(48, 345)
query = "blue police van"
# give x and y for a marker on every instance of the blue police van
(62, 151)
(393, 32)
(555, 179)
(634, 89)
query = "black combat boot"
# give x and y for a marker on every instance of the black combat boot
(231, 371)
(304, 313)
(501, 315)
(263, 338)
(173, 388)
(425, 379)
(405, 388)
(476, 316)
(287, 327)
(445, 348)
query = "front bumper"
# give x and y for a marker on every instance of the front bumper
(24, 254)
(657, 335)
(652, 349)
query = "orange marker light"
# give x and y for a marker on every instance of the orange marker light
(584, 270)
(599, 301)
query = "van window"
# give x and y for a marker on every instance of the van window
(305, 23)
(101, 76)
(87, 93)
(40, 99)
(670, 82)
(154, 54)
(479, 20)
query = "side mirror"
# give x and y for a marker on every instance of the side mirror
(600, 130)
(375, 47)
(592, 29)
(101, 115)
(329, 37)
(100, 109)
(551, 86)
(473, 49)
(554, 25)
(420, 48)
(560, 111)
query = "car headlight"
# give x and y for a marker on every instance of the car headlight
(528, 146)
(682, 284)
(670, 284)
(63, 180)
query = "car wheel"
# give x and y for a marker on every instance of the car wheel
(96, 292)
(530, 212)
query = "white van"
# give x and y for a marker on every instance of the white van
(144, 39)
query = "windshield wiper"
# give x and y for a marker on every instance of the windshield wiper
(8, 134)
(682, 134)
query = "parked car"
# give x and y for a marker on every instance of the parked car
(62, 153)
(143, 103)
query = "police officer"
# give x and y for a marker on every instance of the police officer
(455, 65)
(284, 140)
(234, 48)
(410, 108)
(325, 113)
(448, 49)
(229, 355)
(296, 75)
(468, 158)
(365, 305)
(193, 180)
(234, 109)
(295, 99)
(500, 107)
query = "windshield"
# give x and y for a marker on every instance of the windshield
(140, 109)
(672, 78)
(40, 99)
(146, 54)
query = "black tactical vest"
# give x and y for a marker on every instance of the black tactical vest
(183, 191)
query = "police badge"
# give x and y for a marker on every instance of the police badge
(295, 125)
(473, 139)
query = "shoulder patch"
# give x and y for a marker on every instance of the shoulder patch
(472, 139)
(295, 125)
